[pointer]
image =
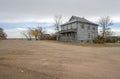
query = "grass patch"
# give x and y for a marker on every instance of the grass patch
(86, 44)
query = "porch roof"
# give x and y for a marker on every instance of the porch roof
(69, 30)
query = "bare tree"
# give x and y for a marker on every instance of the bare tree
(27, 34)
(3, 35)
(41, 32)
(24, 33)
(37, 33)
(108, 32)
(105, 22)
(57, 20)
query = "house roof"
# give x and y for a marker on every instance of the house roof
(79, 19)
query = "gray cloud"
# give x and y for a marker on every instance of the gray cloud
(35, 9)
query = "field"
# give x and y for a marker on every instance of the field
(22, 59)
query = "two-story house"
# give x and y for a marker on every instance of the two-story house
(78, 29)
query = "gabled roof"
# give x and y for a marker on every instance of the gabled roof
(79, 19)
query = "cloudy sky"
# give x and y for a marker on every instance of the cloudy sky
(16, 15)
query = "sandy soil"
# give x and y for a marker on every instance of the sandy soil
(20, 59)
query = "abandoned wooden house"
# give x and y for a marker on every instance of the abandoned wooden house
(78, 29)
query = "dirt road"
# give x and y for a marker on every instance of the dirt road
(21, 59)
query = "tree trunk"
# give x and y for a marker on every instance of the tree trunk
(103, 34)
(35, 37)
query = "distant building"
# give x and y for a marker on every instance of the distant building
(78, 29)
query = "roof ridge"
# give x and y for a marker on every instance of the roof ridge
(80, 19)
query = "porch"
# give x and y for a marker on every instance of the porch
(68, 35)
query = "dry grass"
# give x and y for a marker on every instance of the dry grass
(22, 59)
(87, 44)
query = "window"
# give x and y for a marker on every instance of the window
(62, 28)
(73, 34)
(88, 27)
(71, 27)
(88, 35)
(70, 34)
(67, 35)
(67, 27)
(93, 28)
(82, 26)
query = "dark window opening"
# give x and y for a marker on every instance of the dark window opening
(88, 27)
(82, 26)
(88, 35)
(93, 28)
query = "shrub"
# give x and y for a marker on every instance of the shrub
(99, 39)
(110, 40)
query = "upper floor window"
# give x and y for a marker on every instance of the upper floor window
(71, 27)
(82, 26)
(63, 28)
(93, 28)
(88, 27)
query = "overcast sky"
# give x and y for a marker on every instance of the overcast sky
(29, 10)
(45, 10)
